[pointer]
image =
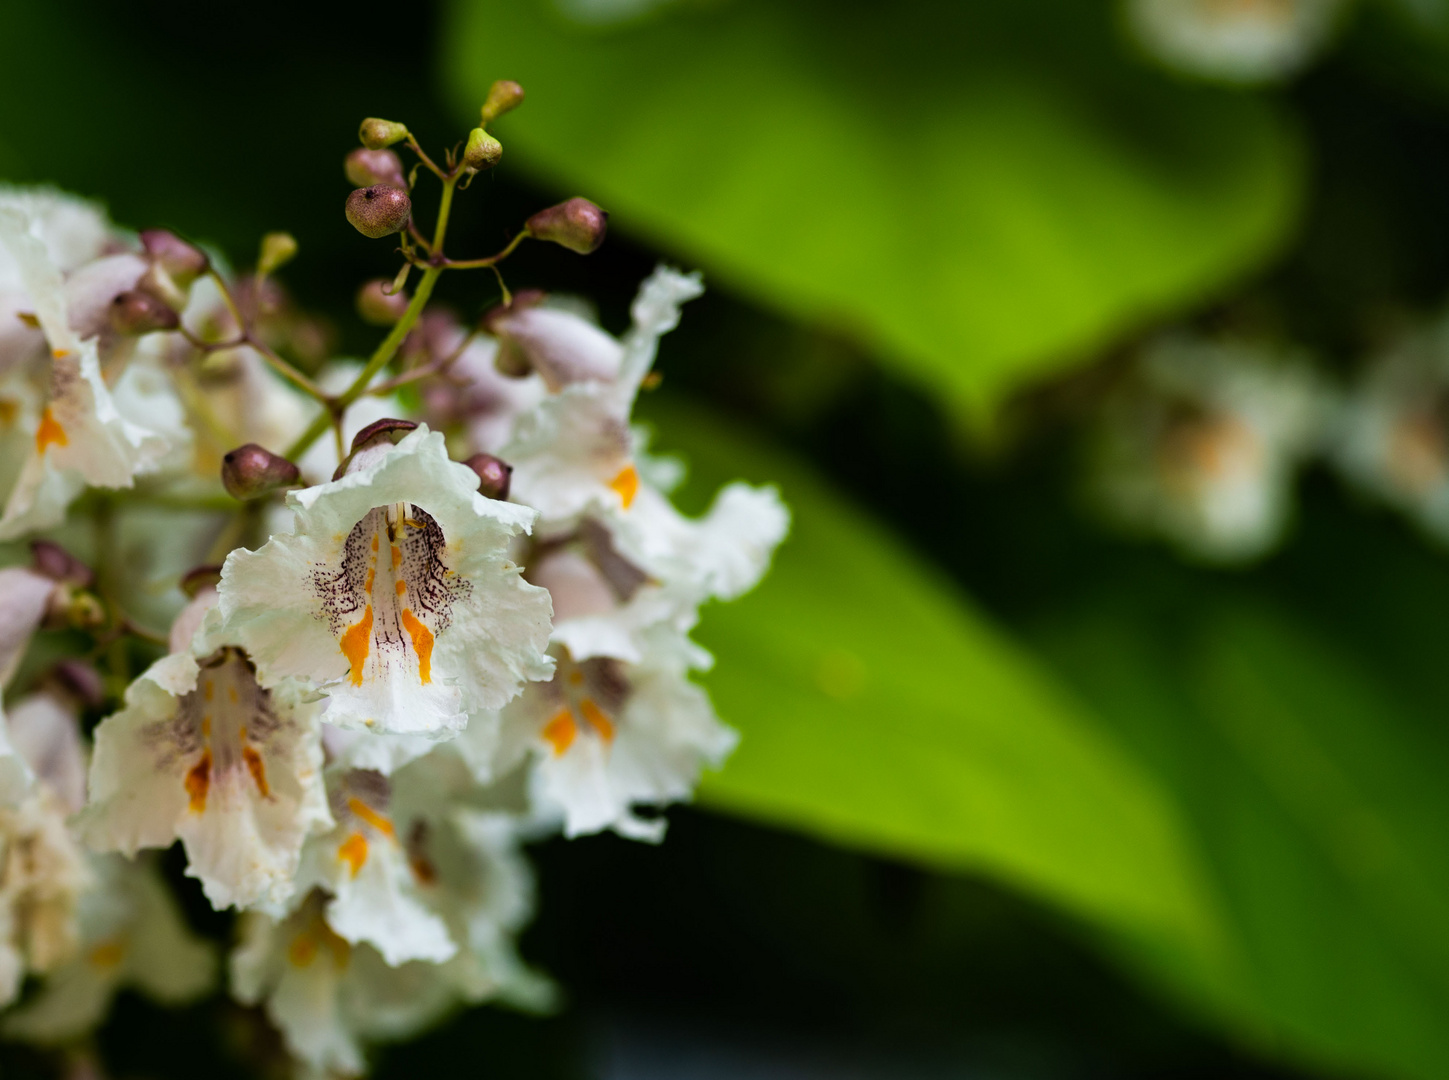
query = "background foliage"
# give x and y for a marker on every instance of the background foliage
(1021, 796)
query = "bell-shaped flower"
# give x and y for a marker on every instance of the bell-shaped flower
(328, 997)
(608, 736)
(1203, 447)
(78, 435)
(132, 934)
(363, 863)
(395, 594)
(1247, 41)
(203, 752)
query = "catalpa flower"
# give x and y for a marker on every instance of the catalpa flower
(78, 435)
(394, 594)
(574, 453)
(1204, 448)
(204, 752)
(132, 934)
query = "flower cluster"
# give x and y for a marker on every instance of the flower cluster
(461, 620)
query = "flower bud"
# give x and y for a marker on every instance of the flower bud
(83, 611)
(505, 95)
(379, 430)
(577, 224)
(251, 471)
(53, 561)
(80, 680)
(198, 578)
(183, 262)
(379, 307)
(367, 167)
(378, 211)
(494, 475)
(483, 150)
(278, 249)
(138, 311)
(378, 134)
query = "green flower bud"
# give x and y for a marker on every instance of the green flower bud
(503, 96)
(378, 134)
(251, 471)
(367, 167)
(379, 307)
(483, 150)
(577, 224)
(378, 211)
(278, 249)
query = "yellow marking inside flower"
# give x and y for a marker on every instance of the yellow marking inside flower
(208, 690)
(371, 816)
(422, 642)
(396, 556)
(374, 543)
(206, 726)
(576, 677)
(561, 731)
(401, 587)
(354, 852)
(371, 577)
(60, 354)
(257, 768)
(626, 484)
(423, 870)
(302, 951)
(9, 410)
(49, 433)
(198, 782)
(107, 954)
(231, 694)
(595, 715)
(356, 642)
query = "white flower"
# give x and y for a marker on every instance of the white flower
(574, 452)
(326, 996)
(1204, 448)
(485, 400)
(394, 594)
(608, 736)
(363, 862)
(203, 752)
(1241, 41)
(131, 934)
(78, 436)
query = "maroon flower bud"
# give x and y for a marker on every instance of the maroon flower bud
(389, 429)
(494, 475)
(367, 167)
(201, 577)
(183, 262)
(577, 224)
(505, 95)
(81, 681)
(483, 150)
(378, 134)
(379, 210)
(138, 311)
(251, 471)
(379, 307)
(54, 562)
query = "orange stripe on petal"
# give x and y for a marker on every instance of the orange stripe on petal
(257, 768)
(198, 782)
(353, 851)
(595, 715)
(561, 731)
(422, 642)
(356, 642)
(49, 433)
(626, 485)
(372, 817)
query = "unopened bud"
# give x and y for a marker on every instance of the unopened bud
(378, 134)
(494, 475)
(378, 306)
(137, 311)
(183, 262)
(379, 211)
(278, 249)
(483, 150)
(577, 224)
(505, 95)
(389, 429)
(251, 471)
(53, 561)
(81, 610)
(202, 577)
(80, 680)
(367, 167)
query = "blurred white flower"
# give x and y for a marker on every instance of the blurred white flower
(1203, 447)
(1239, 41)
(395, 595)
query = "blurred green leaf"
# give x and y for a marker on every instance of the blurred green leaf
(879, 709)
(982, 192)
(1316, 793)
